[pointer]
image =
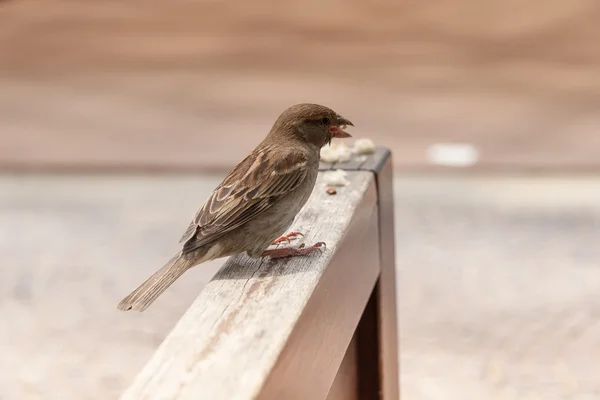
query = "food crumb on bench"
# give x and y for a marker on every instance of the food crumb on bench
(363, 146)
(331, 191)
(339, 152)
(336, 178)
(336, 152)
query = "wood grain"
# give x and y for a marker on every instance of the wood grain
(276, 329)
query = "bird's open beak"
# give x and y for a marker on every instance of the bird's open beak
(337, 131)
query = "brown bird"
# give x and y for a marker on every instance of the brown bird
(257, 202)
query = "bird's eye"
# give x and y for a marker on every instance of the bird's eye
(325, 121)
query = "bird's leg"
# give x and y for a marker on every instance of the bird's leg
(286, 238)
(293, 251)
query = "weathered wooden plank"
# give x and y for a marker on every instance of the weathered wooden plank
(385, 290)
(377, 333)
(361, 162)
(345, 385)
(316, 348)
(276, 329)
(376, 161)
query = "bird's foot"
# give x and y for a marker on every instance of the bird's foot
(287, 238)
(294, 251)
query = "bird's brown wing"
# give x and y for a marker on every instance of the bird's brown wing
(251, 188)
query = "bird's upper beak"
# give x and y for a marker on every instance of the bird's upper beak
(337, 131)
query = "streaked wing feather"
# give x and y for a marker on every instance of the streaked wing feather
(221, 193)
(250, 189)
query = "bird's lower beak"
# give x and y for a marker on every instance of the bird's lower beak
(338, 131)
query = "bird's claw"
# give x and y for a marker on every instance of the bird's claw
(317, 245)
(287, 238)
(294, 251)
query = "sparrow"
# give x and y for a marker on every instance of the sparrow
(257, 201)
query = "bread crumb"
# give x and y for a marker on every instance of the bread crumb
(363, 146)
(331, 191)
(336, 178)
(336, 152)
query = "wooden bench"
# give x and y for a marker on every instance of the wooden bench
(308, 328)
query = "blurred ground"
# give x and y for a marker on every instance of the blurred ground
(150, 83)
(498, 283)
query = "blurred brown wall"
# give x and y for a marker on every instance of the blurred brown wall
(197, 83)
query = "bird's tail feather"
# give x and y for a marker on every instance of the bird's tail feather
(154, 286)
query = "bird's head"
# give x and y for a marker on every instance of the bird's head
(311, 123)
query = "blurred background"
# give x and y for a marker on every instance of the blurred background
(117, 119)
